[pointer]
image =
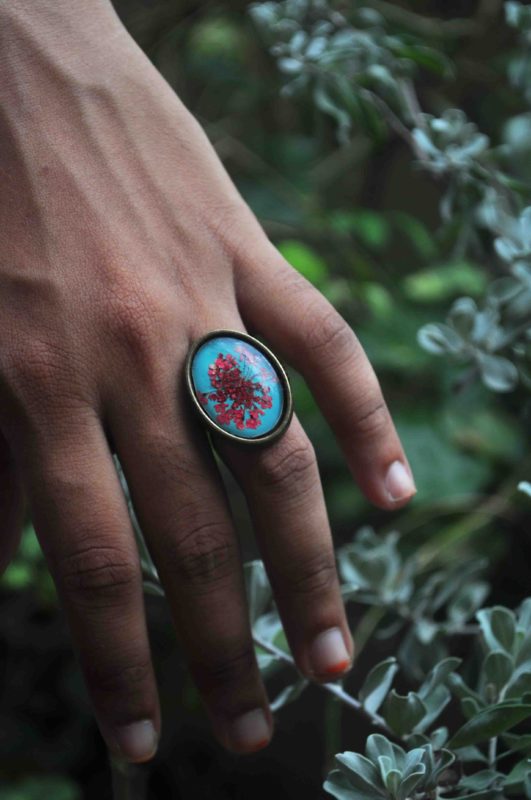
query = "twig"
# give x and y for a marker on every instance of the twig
(332, 688)
(427, 26)
(394, 122)
(493, 506)
(412, 103)
(128, 780)
(493, 743)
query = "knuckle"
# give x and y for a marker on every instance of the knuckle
(225, 221)
(132, 322)
(110, 679)
(175, 463)
(226, 667)
(289, 465)
(292, 282)
(135, 320)
(313, 576)
(204, 557)
(40, 375)
(372, 418)
(327, 336)
(100, 576)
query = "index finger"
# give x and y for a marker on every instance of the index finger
(305, 329)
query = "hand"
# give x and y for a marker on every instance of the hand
(123, 240)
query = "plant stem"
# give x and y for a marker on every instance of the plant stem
(428, 26)
(493, 506)
(128, 780)
(493, 743)
(332, 688)
(412, 103)
(332, 730)
(394, 122)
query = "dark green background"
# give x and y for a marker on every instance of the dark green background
(360, 221)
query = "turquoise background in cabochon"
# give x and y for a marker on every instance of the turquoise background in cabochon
(207, 354)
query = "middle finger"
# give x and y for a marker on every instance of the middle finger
(283, 489)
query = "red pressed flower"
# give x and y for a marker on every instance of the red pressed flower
(238, 395)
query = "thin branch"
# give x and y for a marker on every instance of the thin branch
(332, 688)
(427, 26)
(493, 743)
(128, 780)
(394, 122)
(412, 103)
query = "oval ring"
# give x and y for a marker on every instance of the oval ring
(238, 387)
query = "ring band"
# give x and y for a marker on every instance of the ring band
(239, 387)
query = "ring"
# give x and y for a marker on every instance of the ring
(239, 387)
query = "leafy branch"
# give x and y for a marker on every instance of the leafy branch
(361, 75)
(410, 758)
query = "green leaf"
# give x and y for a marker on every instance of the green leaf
(444, 760)
(435, 702)
(408, 784)
(444, 282)
(18, 575)
(438, 675)
(498, 626)
(377, 298)
(150, 587)
(377, 684)
(514, 781)
(439, 737)
(378, 745)
(326, 103)
(496, 669)
(497, 372)
(403, 712)
(418, 234)
(338, 785)
(360, 771)
(305, 260)
(266, 660)
(490, 721)
(438, 338)
(471, 755)
(258, 588)
(370, 227)
(518, 743)
(519, 686)
(468, 599)
(268, 627)
(427, 57)
(480, 780)
(462, 316)
(462, 690)
(524, 616)
(392, 780)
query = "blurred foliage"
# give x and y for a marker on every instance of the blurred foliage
(33, 788)
(397, 223)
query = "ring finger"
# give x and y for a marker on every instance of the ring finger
(178, 496)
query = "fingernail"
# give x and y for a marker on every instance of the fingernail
(250, 732)
(398, 482)
(138, 741)
(328, 654)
